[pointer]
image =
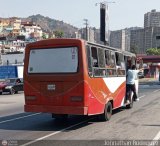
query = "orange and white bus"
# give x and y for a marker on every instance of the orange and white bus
(74, 77)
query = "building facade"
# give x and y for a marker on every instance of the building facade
(151, 37)
(152, 30)
(87, 34)
(31, 30)
(117, 39)
(121, 38)
(152, 19)
(137, 41)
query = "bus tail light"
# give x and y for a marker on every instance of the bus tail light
(30, 97)
(76, 98)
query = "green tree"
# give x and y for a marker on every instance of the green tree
(44, 36)
(134, 49)
(153, 51)
(59, 34)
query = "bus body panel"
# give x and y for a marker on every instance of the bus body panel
(57, 109)
(67, 86)
(102, 93)
(68, 94)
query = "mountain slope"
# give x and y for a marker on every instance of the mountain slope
(50, 25)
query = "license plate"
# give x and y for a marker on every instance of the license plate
(51, 87)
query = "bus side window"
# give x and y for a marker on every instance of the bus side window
(110, 63)
(98, 61)
(101, 57)
(107, 58)
(94, 56)
(95, 62)
(112, 60)
(120, 64)
(117, 60)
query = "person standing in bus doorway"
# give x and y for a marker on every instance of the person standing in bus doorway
(132, 75)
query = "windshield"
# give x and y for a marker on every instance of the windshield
(53, 60)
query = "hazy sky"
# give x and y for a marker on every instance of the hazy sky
(122, 13)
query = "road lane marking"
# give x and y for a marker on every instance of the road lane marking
(157, 137)
(155, 140)
(19, 118)
(142, 96)
(156, 90)
(54, 133)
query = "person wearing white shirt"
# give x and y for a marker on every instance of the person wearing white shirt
(132, 75)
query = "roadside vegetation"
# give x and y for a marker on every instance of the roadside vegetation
(153, 51)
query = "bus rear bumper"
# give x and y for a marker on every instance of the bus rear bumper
(57, 109)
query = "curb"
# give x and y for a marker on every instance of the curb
(150, 81)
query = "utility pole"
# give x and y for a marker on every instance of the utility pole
(152, 30)
(86, 24)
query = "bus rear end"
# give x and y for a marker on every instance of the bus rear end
(54, 77)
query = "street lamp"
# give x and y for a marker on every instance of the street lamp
(104, 2)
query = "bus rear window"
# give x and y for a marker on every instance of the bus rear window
(53, 60)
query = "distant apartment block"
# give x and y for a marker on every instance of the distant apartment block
(121, 38)
(91, 35)
(152, 30)
(117, 39)
(152, 19)
(143, 39)
(88, 34)
(137, 41)
(152, 37)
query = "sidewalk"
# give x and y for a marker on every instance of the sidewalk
(149, 81)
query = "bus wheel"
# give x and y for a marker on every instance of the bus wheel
(60, 116)
(107, 112)
(12, 91)
(16, 92)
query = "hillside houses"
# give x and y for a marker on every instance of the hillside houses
(15, 34)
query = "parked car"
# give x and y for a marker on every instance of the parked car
(140, 75)
(11, 85)
(3, 84)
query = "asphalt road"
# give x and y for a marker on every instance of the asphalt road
(134, 126)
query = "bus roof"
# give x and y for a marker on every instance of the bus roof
(69, 40)
(55, 41)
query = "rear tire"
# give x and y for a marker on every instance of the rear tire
(107, 112)
(12, 91)
(0, 93)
